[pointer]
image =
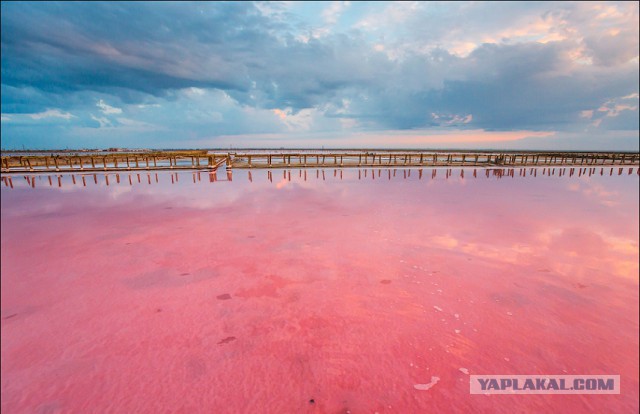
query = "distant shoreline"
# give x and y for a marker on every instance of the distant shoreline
(303, 150)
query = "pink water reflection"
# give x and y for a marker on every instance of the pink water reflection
(262, 291)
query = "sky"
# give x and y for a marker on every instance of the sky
(232, 75)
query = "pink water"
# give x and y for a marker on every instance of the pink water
(269, 293)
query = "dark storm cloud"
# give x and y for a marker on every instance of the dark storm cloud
(145, 47)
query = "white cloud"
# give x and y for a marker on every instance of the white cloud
(451, 119)
(135, 125)
(193, 91)
(332, 13)
(108, 109)
(52, 113)
(131, 122)
(588, 114)
(103, 121)
(5, 118)
(301, 121)
(145, 106)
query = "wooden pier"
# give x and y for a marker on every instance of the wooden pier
(206, 160)
(397, 159)
(78, 162)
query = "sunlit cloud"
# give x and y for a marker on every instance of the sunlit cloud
(108, 109)
(333, 11)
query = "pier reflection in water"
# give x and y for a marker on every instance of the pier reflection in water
(263, 290)
(320, 174)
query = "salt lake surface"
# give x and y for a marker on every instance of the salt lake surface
(320, 291)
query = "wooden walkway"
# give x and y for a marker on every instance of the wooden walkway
(202, 160)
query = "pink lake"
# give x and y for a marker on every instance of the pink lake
(319, 291)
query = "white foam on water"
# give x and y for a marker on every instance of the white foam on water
(425, 387)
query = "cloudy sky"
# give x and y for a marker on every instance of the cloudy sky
(534, 75)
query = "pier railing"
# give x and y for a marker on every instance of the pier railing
(427, 159)
(202, 160)
(195, 160)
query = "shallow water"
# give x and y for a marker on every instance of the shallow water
(316, 290)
